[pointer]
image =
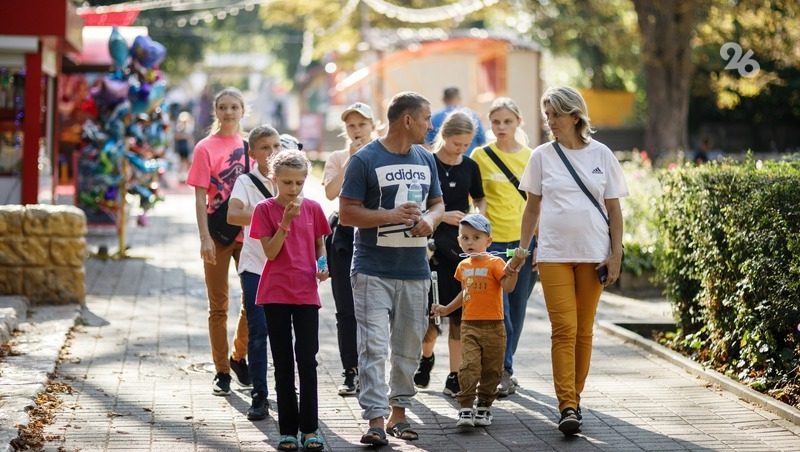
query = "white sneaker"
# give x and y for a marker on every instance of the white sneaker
(465, 418)
(508, 385)
(483, 417)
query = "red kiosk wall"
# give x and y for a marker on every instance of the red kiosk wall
(31, 127)
(46, 19)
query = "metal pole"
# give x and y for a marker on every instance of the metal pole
(122, 218)
(437, 320)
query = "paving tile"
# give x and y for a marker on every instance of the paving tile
(146, 363)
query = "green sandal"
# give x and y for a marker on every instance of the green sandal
(314, 442)
(288, 443)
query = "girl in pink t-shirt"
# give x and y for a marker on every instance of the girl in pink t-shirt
(218, 160)
(292, 232)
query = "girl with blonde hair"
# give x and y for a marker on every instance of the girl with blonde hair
(501, 163)
(218, 160)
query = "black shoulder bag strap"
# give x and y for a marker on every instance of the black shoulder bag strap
(579, 181)
(260, 186)
(511, 177)
(246, 157)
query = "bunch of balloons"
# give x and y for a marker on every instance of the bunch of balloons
(133, 89)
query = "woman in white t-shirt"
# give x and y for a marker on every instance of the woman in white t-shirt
(574, 250)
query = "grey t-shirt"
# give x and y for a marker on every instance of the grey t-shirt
(380, 180)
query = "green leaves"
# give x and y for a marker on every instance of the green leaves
(729, 257)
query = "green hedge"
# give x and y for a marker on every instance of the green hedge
(728, 255)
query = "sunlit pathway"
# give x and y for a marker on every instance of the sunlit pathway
(141, 373)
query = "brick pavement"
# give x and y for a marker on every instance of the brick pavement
(141, 372)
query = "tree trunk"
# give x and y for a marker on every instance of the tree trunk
(667, 28)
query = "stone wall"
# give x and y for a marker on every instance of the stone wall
(42, 253)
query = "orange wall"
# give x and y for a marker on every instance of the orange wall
(609, 108)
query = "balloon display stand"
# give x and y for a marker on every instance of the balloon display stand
(123, 138)
(122, 226)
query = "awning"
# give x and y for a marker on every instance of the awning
(96, 19)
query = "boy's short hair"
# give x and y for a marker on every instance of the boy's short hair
(262, 131)
(477, 221)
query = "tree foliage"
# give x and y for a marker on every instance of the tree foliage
(601, 34)
(771, 31)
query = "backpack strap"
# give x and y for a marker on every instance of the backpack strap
(260, 185)
(511, 177)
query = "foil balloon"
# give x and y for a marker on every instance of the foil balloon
(139, 106)
(110, 92)
(139, 96)
(118, 114)
(112, 193)
(118, 49)
(147, 52)
(158, 91)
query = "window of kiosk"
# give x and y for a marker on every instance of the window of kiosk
(12, 86)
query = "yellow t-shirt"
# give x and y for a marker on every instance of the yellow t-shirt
(504, 205)
(482, 292)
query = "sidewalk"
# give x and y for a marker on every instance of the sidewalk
(141, 376)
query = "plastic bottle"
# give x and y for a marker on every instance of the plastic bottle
(415, 193)
(322, 264)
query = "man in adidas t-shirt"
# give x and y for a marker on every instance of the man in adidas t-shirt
(390, 273)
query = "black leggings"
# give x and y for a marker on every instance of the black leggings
(340, 256)
(304, 320)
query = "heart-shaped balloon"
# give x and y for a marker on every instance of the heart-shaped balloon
(147, 52)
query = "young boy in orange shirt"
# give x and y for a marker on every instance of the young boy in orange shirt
(483, 335)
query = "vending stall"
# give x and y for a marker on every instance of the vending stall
(35, 36)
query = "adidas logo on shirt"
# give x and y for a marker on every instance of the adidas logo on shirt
(597, 170)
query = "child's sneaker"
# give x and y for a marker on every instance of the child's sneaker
(465, 418)
(483, 416)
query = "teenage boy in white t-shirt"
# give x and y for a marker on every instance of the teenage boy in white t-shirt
(264, 141)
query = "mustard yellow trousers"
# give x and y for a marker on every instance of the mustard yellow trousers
(571, 293)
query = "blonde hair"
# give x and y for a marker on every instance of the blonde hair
(289, 158)
(568, 101)
(456, 123)
(232, 92)
(262, 131)
(508, 104)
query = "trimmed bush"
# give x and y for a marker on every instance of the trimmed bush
(728, 255)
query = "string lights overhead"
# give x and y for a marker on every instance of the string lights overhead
(175, 5)
(427, 15)
(220, 9)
